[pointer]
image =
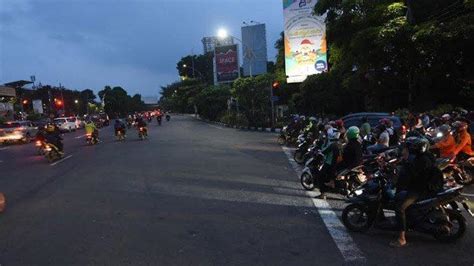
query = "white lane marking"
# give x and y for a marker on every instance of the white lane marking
(62, 160)
(81, 136)
(338, 232)
(4, 148)
(467, 194)
(215, 127)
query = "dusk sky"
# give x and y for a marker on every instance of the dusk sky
(132, 43)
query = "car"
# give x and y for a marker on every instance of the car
(373, 119)
(66, 123)
(17, 131)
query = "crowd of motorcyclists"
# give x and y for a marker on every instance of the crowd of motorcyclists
(49, 138)
(422, 142)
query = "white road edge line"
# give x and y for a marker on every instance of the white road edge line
(4, 148)
(81, 136)
(62, 160)
(215, 127)
(344, 242)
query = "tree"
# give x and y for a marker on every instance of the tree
(197, 67)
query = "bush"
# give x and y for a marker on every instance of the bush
(34, 117)
(234, 119)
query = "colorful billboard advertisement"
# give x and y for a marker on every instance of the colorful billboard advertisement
(227, 63)
(305, 40)
(254, 47)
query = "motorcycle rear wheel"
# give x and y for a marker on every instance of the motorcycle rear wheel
(356, 218)
(455, 218)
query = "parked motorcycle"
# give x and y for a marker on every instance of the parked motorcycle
(430, 215)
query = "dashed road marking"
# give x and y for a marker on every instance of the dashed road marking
(344, 242)
(62, 160)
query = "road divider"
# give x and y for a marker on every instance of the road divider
(344, 242)
(62, 160)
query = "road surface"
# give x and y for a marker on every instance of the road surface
(192, 194)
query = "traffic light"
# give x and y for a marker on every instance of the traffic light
(276, 85)
(25, 102)
(59, 103)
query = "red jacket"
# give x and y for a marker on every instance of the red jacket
(464, 144)
(446, 146)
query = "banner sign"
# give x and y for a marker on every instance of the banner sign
(305, 40)
(227, 65)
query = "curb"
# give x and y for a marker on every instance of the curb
(260, 129)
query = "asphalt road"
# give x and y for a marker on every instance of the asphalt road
(192, 194)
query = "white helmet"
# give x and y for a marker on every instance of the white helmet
(446, 117)
(334, 134)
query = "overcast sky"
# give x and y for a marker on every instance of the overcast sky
(132, 43)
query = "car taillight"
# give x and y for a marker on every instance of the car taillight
(38, 143)
(141, 129)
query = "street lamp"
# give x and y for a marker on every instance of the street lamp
(222, 33)
(76, 101)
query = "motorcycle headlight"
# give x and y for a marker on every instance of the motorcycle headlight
(358, 192)
(439, 135)
(309, 149)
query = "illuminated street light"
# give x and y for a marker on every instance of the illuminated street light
(184, 65)
(222, 34)
(25, 101)
(76, 101)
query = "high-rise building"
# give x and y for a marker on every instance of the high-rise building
(209, 43)
(254, 49)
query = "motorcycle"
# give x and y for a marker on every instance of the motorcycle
(345, 183)
(91, 139)
(142, 133)
(158, 119)
(120, 135)
(462, 171)
(430, 215)
(301, 150)
(168, 117)
(52, 153)
(40, 147)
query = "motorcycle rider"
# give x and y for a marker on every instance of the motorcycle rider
(91, 129)
(119, 126)
(365, 127)
(446, 145)
(332, 156)
(413, 181)
(382, 144)
(53, 136)
(140, 123)
(352, 153)
(463, 148)
(159, 116)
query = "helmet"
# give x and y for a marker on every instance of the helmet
(313, 119)
(460, 126)
(417, 145)
(446, 117)
(353, 132)
(445, 129)
(334, 134)
(339, 123)
(50, 127)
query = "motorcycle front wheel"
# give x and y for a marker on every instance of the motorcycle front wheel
(356, 218)
(457, 227)
(299, 157)
(307, 181)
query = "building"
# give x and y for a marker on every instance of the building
(254, 49)
(209, 43)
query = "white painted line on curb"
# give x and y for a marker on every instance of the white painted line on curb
(62, 160)
(4, 148)
(338, 232)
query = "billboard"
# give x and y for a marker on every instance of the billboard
(254, 50)
(305, 40)
(38, 106)
(227, 63)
